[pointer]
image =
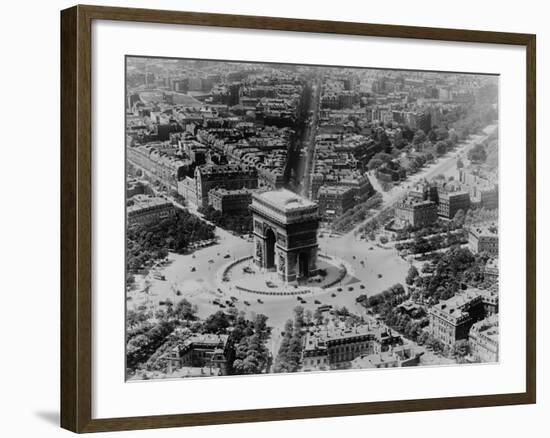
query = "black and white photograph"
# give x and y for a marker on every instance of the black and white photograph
(285, 218)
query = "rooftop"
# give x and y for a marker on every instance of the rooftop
(485, 230)
(284, 206)
(487, 327)
(318, 339)
(140, 202)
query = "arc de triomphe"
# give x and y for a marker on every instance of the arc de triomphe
(285, 234)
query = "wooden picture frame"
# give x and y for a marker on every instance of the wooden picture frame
(76, 218)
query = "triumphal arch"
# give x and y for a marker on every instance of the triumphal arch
(285, 234)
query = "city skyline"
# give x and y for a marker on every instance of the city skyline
(291, 218)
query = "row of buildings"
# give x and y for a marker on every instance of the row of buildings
(147, 209)
(427, 202)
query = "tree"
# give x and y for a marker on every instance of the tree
(375, 163)
(459, 218)
(440, 148)
(477, 154)
(432, 136)
(183, 310)
(461, 348)
(411, 275)
(419, 137)
(216, 323)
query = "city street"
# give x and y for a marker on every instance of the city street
(445, 165)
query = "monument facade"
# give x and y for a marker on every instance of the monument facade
(285, 234)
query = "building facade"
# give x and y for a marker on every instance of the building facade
(335, 200)
(451, 202)
(337, 348)
(144, 210)
(158, 165)
(227, 176)
(417, 213)
(230, 201)
(451, 320)
(484, 339)
(483, 239)
(202, 350)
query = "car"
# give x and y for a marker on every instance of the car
(299, 298)
(339, 289)
(317, 302)
(303, 301)
(260, 301)
(246, 303)
(226, 256)
(210, 261)
(233, 298)
(379, 275)
(350, 288)
(333, 295)
(222, 306)
(362, 286)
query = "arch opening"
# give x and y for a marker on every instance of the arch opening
(270, 249)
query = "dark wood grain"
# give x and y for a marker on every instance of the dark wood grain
(76, 222)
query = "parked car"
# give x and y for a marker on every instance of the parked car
(324, 308)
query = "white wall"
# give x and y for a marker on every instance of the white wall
(29, 305)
